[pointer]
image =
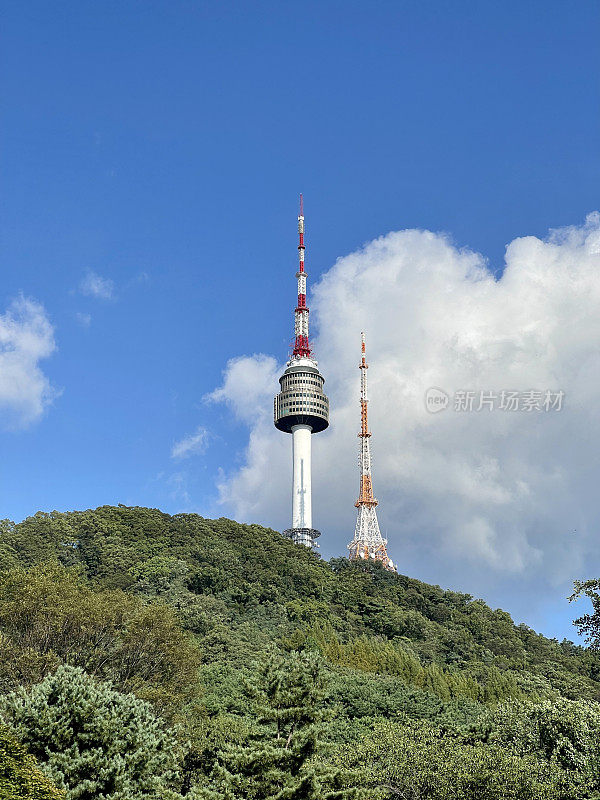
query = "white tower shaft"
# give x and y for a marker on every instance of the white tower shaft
(301, 483)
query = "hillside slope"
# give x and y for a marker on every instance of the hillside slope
(224, 635)
(393, 644)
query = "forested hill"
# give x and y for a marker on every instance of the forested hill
(179, 610)
(241, 588)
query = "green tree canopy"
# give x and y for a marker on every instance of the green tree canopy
(589, 624)
(176, 609)
(563, 732)
(276, 762)
(414, 760)
(48, 615)
(93, 741)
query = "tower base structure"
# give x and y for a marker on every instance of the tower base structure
(368, 543)
(375, 553)
(305, 536)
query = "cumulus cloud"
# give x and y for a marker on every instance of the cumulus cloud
(94, 285)
(247, 385)
(486, 498)
(26, 337)
(194, 444)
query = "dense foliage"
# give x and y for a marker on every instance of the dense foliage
(95, 742)
(20, 778)
(589, 624)
(275, 760)
(412, 759)
(189, 614)
(49, 615)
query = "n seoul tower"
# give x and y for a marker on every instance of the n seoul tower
(301, 408)
(368, 541)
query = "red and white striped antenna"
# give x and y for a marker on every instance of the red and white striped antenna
(301, 344)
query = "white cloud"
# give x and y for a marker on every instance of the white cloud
(94, 285)
(247, 385)
(26, 337)
(194, 444)
(475, 500)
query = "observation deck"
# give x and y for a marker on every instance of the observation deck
(301, 400)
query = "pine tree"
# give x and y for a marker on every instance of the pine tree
(93, 741)
(275, 763)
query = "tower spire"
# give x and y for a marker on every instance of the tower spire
(368, 541)
(301, 344)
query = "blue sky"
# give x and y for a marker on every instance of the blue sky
(152, 157)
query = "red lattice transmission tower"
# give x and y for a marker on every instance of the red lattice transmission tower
(368, 543)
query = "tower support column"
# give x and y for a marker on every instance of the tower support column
(301, 482)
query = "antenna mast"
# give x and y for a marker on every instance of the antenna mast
(301, 345)
(368, 543)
